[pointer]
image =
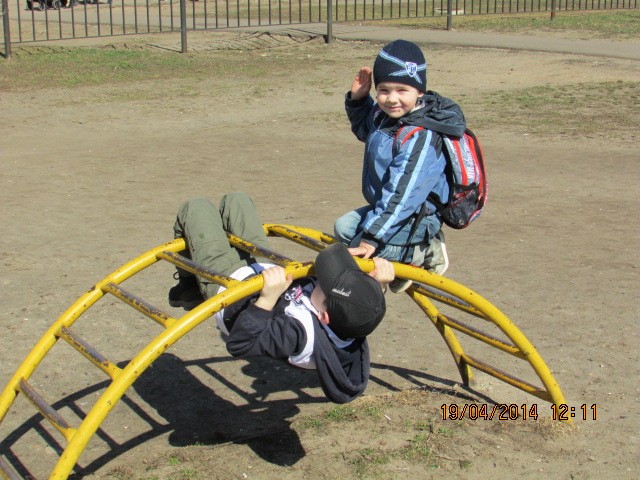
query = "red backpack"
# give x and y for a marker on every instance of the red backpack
(468, 188)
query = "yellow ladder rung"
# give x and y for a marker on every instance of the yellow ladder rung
(6, 471)
(479, 335)
(298, 237)
(47, 410)
(190, 266)
(257, 251)
(89, 352)
(139, 304)
(428, 287)
(505, 377)
(286, 231)
(450, 300)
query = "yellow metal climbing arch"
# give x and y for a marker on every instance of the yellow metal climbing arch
(427, 289)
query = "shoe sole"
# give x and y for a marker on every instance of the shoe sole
(402, 288)
(185, 305)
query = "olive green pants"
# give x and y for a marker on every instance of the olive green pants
(204, 227)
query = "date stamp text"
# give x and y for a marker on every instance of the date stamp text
(513, 411)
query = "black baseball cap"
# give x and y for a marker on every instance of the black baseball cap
(355, 301)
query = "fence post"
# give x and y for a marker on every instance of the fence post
(329, 38)
(449, 14)
(183, 25)
(553, 9)
(7, 33)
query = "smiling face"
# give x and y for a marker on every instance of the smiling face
(396, 99)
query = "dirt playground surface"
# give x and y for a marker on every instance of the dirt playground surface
(92, 177)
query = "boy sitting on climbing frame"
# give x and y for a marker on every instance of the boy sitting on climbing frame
(399, 222)
(316, 323)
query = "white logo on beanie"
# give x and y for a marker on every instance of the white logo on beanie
(409, 69)
(341, 292)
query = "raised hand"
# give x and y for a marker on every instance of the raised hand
(361, 85)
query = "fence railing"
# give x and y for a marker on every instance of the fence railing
(41, 20)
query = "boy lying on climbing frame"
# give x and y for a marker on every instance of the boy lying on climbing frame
(318, 323)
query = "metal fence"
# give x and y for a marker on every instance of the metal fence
(42, 20)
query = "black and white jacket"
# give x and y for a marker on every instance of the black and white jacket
(293, 332)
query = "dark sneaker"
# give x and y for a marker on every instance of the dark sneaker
(186, 293)
(399, 285)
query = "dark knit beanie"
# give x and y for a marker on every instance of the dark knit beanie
(401, 62)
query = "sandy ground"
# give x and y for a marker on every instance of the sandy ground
(92, 178)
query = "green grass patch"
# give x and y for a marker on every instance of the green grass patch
(367, 460)
(465, 464)
(341, 413)
(316, 423)
(620, 25)
(418, 449)
(86, 66)
(187, 474)
(584, 109)
(74, 67)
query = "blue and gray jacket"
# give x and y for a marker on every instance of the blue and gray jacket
(397, 181)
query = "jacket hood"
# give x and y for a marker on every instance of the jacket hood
(439, 114)
(343, 375)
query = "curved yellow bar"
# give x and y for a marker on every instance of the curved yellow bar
(486, 310)
(428, 286)
(147, 356)
(74, 312)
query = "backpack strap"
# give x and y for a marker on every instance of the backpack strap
(416, 221)
(399, 142)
